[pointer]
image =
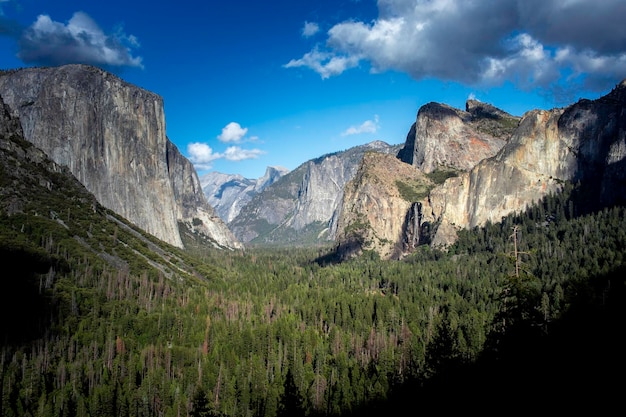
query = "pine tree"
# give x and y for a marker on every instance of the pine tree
(290, 402)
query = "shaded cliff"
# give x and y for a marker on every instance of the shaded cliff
(111, 136)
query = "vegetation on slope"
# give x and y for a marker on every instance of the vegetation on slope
(101, 320)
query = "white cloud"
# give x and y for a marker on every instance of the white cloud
(235, 153)
(310, 29)
(232, 132)
(530, 42)
(81, 40)
(324, 63)
(368, 126)
(201, 155)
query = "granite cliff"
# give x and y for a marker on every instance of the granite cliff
(370, 214)
(383, 206)
(584, 143)
(301, 206)
(485, 164)
(111, 136)
(443, 137)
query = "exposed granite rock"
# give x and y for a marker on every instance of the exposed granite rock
(26, 171)
(447, 138)
(301, 207)
(377, 212)
(193, 209)
(228, 193)
(583, 143)
(111, 136)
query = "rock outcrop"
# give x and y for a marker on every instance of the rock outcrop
(383, 208)
(443, 137)
(584, 143)
(228, 193)
(111, 135)
(522, 160)
(301, 207)
(378, 211)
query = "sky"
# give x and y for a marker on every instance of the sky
(248, 84)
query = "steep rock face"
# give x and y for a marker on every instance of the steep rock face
(27, 173)
(9, 126)
(228, 193)
(193, 209)
(447, 138)
(301, 205)
(377, 212)
(585, 143)
(386, 207)
(111, 136)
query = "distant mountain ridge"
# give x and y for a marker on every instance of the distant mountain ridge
(467, 167)
(457, 168)
(228, 193)
(301, 206)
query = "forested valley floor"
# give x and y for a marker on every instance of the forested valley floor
(523, 315)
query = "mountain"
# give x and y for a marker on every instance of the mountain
(377, 207)
(111, 136)
(301, 206)
(584, 143)
(381, 209)
(48, 219)
(447, 138)
(516, 162)
(228, 193)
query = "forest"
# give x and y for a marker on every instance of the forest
(525, 314)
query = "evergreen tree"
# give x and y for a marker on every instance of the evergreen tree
(290, 402)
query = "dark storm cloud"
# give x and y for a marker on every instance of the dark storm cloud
(594, 25)
(533, 43)
(81, 40)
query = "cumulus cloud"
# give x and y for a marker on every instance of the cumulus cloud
(235, 153)
(324, 63)
(81, 40)
(310, 29)
(534, 43)
(201, 155)
(232, 132)
(368, 126)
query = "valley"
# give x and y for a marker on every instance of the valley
(419, 282)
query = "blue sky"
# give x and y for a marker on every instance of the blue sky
(248, 84)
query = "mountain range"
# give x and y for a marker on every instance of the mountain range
(457, 168)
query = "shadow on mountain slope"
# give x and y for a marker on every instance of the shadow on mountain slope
(578, 364)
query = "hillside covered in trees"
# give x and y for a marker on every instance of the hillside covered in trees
(100, 319)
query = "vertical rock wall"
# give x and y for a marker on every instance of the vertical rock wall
(109, 133)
